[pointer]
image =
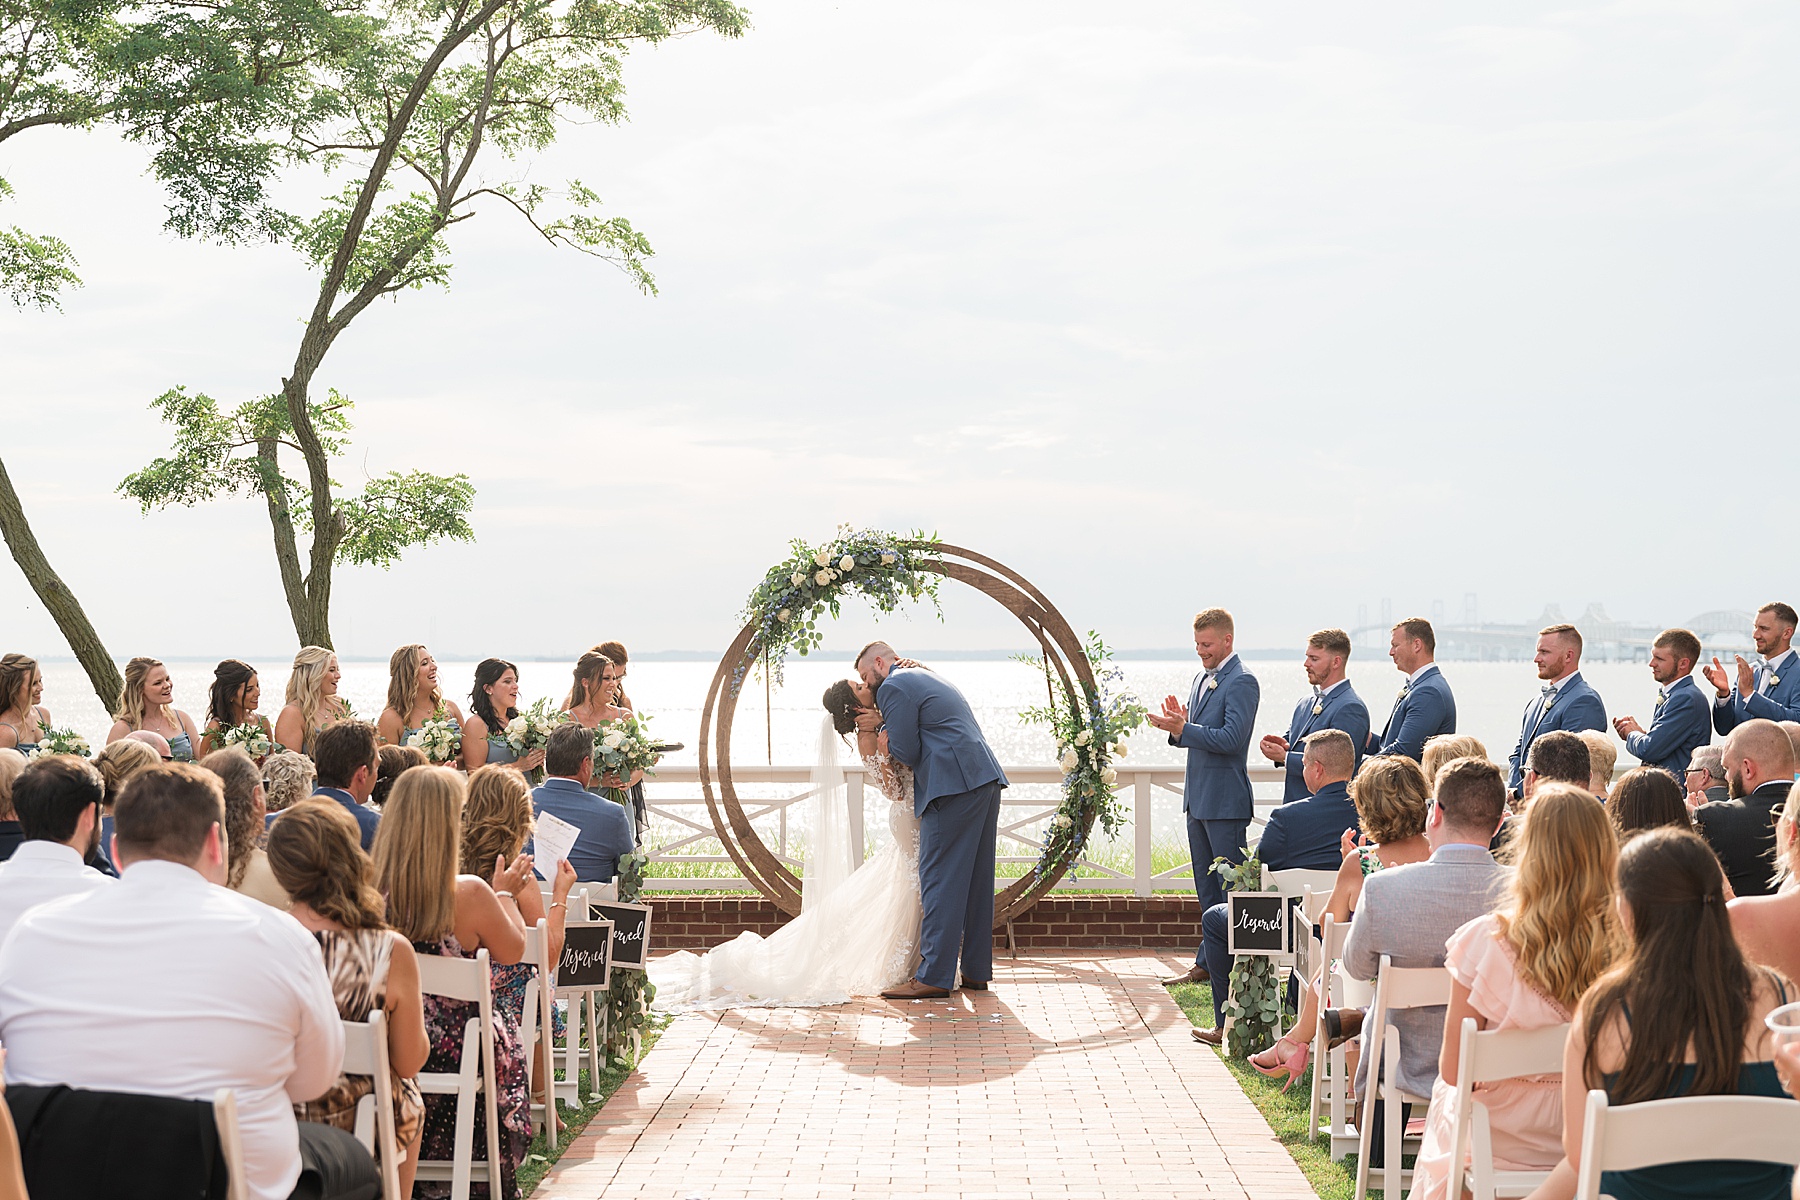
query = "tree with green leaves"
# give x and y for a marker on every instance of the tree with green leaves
(442, 87)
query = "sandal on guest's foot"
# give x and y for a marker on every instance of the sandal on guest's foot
(1272, 1058)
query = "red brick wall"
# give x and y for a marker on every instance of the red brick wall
(1057, 922)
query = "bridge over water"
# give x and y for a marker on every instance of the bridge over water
(1722, 631)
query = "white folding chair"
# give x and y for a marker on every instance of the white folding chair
(567, 1056)
(366, 1053)
(1396, 988)
(467, 980)
(1684, 1129)
(231, 1144)
(1485, 1058)
(537, 1029)
(1331, 1067)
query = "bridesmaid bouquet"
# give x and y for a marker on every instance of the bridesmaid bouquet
(250, 736)
(62, 741)
(438, 737)
(531, 729)
(623, 746)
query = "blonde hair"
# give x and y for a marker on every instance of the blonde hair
(288, 779)
(131, 696)
(1786, 851)
(1391, 798)
(1602, 757)
(15, 682)
(416, 850)
(122, 762)
(1447, 747)
(11, 763)
(1216, 619)
(403, 681)
(306, 688)
(1559, 915)
(496, 818)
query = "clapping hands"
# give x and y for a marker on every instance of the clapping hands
(1173, 718)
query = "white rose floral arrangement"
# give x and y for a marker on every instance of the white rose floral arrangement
(61, 741)
(623, 747)
(531, 730)
(438, 737)
(251, 736)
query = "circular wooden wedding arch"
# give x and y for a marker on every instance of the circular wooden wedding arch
(1062, 652)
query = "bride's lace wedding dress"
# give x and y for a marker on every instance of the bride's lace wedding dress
(852, 938)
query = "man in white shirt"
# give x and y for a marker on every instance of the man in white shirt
(169, 984)
(58, 802)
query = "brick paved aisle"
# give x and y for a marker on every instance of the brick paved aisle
(1074, 1077)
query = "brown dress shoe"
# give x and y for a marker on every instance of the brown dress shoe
(1195, 974)
(1209, 1037)
(915, 990)
(974, 985)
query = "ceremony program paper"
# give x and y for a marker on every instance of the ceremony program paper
(555, 838)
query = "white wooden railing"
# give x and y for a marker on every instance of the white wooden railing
(683, 843)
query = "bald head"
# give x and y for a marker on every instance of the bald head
(152, 739)
(1757, 752)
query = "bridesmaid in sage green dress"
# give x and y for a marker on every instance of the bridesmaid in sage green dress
(493, 701)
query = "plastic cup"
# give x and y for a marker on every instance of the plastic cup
(1784, 1023)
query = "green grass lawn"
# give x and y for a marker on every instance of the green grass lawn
(540, 1158)
(1286, 1114)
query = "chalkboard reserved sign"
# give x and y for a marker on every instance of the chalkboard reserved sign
(631, 932)
(1259, 923)
(587, 955)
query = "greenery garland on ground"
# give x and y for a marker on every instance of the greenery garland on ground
(1253, 1004)
(629, 994)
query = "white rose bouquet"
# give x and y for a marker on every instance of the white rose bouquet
(531, 730)
(623, 747)
(251, 736)
(62, 741)
(438, 737)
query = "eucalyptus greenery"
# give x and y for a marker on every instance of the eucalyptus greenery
(1253, 999)
(629, 994)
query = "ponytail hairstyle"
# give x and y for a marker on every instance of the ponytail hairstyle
(403, 681)
(122, 762)
(316, 854)
(616, 652)
(131, 697)
(487, 673)
(840, 702)
(306, 688)
(229, 678)
(588, 669)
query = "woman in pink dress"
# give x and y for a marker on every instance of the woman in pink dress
(1525, 967)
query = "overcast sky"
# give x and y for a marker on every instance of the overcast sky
(1286, 307)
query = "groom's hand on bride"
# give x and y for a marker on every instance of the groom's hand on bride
(868, 720)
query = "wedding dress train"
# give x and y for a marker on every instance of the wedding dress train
(857, 932)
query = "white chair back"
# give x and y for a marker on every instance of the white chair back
(366, 1053)
(468, 980)
(1485, 1058)
(1396, 988)
(231, 1144)
(1330, 1079)
(1684, 1129)
(537, 1029)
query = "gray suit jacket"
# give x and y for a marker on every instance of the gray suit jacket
(1408, 913)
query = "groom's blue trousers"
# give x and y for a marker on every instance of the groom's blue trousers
(956, 885)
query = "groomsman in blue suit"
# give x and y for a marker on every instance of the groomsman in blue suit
(1681, 722)
(1424, 708)
(1214, 727)
(1770, 691)
(1332, 704)
(1567, 701)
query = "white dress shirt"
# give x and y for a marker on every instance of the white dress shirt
(40, 871)
(169, 985)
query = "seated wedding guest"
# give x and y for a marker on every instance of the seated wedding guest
(493, 701)
(1759, 769)
(1305, 834)
(443, 913)
(58, 802)
(1525, 966)
(231, 703)
(1556, 757)
(1392, 802)
(118, 764)
(1768, 927)
(604, 827)
(1603, 756)
(345, 757)
(166, 984)
(413, 696)
(1424, 706)
(1681, 1014)
(12, 834)
(1332, 704)
(1647, 798)
(156, 741)
(12, 1170)
(246, 819)
(287, 779)
(1705, 780)
(312, 701)
(1681, 722)
(1770, 689)
(1447, 748)
(23, 721)
(394, 760)
(146, 703)
(1409, 912)
(1566, 702)
(315, 857)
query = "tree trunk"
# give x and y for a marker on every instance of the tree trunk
(312, 621)
(102, 672)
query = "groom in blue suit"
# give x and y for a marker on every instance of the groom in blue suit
(1680, 723)
(1770, 691)
(957, 783)
(1214, 728)
(1424, 708)
(1567, 701)
(1332, 704)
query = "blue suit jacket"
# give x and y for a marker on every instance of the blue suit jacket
(1426, 710)
(1308, 834)
(1781, 703)
(366, 818)
(1681, 723)
(1578, 706)
(605, 828)
(1342, 709)
(932, 729)
(1217, 739)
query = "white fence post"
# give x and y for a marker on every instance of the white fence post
(1143, 862)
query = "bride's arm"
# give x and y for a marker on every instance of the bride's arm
(886, 770)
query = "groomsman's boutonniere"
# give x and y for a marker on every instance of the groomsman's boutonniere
(1549, 701)
(1212, 682)
(1318, 707)
(1774, 679)
(1401, 695)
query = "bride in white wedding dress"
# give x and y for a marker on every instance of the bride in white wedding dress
(858, 928)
